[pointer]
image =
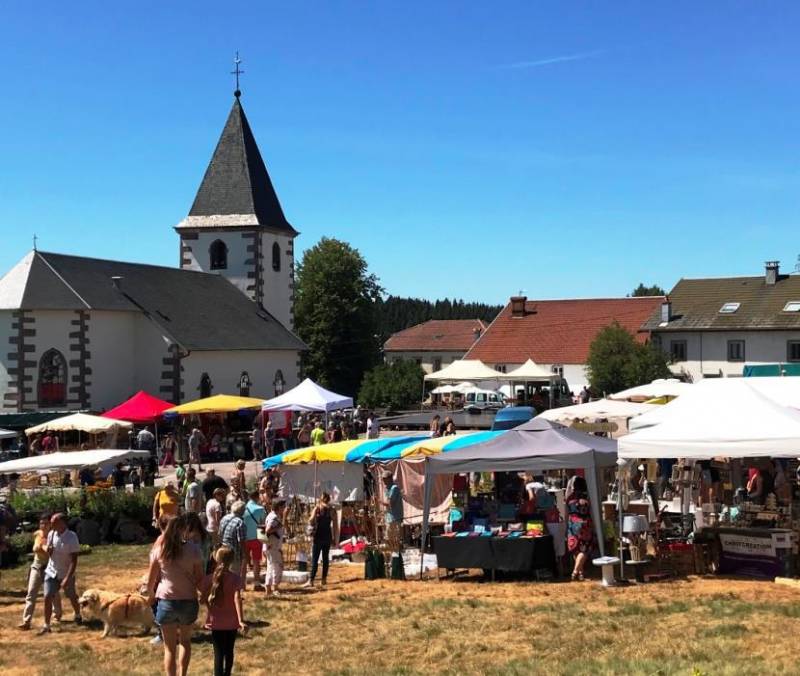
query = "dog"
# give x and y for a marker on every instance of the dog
(116, 610)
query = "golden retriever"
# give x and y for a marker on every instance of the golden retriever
(116, 610)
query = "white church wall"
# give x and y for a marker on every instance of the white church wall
(150, 348)
(5, 380)
(277, 284)
(236, 271)
(225, 368)
(52, 332)
(112, 339)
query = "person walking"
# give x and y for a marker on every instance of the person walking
(393, 504)
(232, 534)
(168, 450)
(214, 512)
(193, 501)
(580, 530)
(173, 579)
(36, 574)
(167, 501)
(59, 575)
(323, 526)
(211, 483)
(317, 435)
(254, 517)
(196, 440)
(273, 527)
(196, 532)
(145, 440)
(222, 596)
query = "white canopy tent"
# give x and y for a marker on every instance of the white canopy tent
(69, 460)
(602, 408)
(308, 396)
(662, 387)
(466, 369)
(784, 391)
(528, 372)
(80, 422)
(719, 417)
(7, 434)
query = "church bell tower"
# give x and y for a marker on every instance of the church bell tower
(236, 226)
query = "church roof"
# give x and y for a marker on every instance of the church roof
(200, 311)
(236, 188)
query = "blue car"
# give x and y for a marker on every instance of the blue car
(508, 418)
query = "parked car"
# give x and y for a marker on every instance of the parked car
(511, 417)
(482, 400)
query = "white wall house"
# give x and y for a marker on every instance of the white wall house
(712, 328)
(434, 344)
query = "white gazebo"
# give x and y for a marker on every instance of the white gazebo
(308, 396)
(662, 387)
(466, 369)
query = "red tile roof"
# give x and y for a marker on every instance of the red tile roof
(437, 334)
(559, 331)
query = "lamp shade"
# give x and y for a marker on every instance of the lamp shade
(635, 523)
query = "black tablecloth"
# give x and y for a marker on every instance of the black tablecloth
(515, 554)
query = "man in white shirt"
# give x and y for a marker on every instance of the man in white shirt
(63, 548)
(193, 502)
(214, 513)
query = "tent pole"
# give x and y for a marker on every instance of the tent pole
(620, 472)
(426, 508)
(158, 447)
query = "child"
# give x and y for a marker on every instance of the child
(222, 597)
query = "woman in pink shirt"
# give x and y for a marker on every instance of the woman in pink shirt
(176, 572)
(222, 596)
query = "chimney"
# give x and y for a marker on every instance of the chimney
(772, 271)
(666, 311)
(116, 280)
(518, 306)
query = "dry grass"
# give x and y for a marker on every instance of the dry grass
(699, 626)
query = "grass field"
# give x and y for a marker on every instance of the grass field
(696, 626)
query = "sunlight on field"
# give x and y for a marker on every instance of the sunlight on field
(713, 626)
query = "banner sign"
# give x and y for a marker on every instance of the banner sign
(748, 554)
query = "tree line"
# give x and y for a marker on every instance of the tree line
(396, 313)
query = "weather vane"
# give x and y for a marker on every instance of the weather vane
(237, 73)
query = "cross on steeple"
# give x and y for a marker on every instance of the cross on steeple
(237, 72)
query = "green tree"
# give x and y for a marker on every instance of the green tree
(642, 290)
(395, 386)
(335, 314)
(617, 362)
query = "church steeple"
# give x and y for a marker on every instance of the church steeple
(236, 189)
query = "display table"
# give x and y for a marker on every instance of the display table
(754, 552)
(521, 555)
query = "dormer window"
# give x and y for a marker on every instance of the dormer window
(792, 306)
(729, 308)
(218, 255)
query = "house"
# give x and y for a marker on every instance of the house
(435, 343)
(712, 327)
(557, 334)
(86, 333)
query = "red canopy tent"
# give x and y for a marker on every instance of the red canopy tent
(141, 408)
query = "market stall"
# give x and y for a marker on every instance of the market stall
(732, 427)
(609, 416)
(661, 388)
(83, 423)
(225, 420)
(535, 446)
(71, 460)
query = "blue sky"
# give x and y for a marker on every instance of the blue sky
(467, 149)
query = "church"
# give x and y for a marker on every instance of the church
(82, 333)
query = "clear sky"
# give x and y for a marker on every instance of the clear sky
(467, 149)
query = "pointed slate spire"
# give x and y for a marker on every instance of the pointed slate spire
(236, 188)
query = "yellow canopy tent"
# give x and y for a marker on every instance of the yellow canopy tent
(219, 403)
(336, 452)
